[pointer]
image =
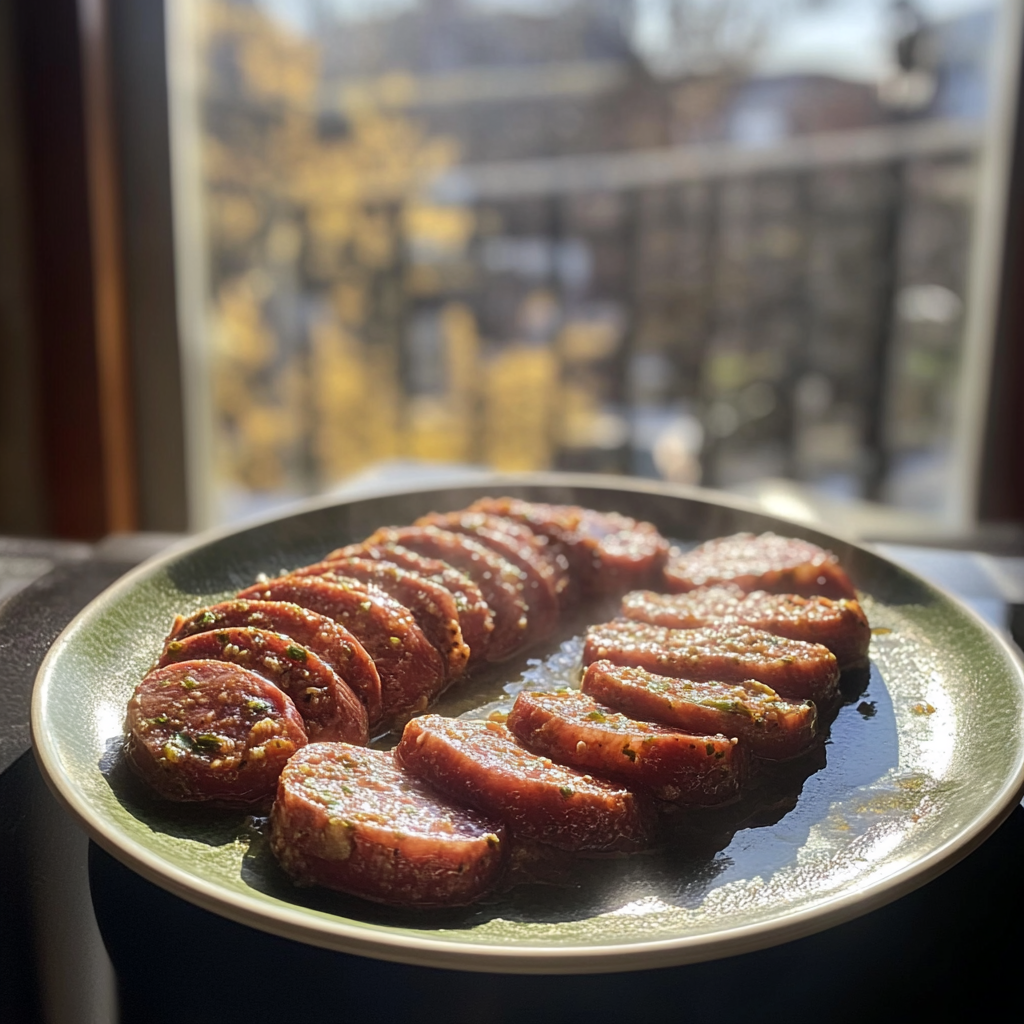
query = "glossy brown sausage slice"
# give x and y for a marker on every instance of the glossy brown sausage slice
(475, 616)
(329, 708)
(518, 545)
(574, 729)
(792, 668)
(780, 565)
(209, 731)
(411, 671)
(608, 553)
(430, 603)
(323, 636)
(349, 819)
(768, 725)
(500, 582)
(480, 764)
(840, 624)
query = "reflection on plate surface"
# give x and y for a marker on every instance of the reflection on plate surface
(926, 750)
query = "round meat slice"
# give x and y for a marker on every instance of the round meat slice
(780, 565)
(792, 668)
(350, 819)
(840, 625)
(323, 636)
(329, 708)
(475, 616)
(574, 729)
(765, 723)
(209, 731)
(501, 583)
(608, 553)
(518, 545)
(411, 671)
(481, 764)
(430, 603)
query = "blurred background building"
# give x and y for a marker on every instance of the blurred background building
(753, 244)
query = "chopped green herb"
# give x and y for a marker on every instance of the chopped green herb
(174, 646)
(261, 707)
(207, 618)
(184, 740)
(159, 720)
(566, 791)
(596, 716)
(189, 683)
(295, 652)
(629, 752)
(395, 641)
(208, 742)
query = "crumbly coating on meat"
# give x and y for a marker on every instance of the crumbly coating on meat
(481, 764)
(574, 729)
(322, 635)
(792, 668)
(411, 671)
(759, 562)
(607, 552)
(209, 731)
(348, 818)
(431, 604)
(771, 726)
(840, 624)
(329, 708)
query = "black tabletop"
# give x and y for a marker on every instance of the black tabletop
(953, 945)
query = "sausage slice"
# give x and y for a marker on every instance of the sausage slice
(792, 668)
(349, 819)
(431, 604)
(481, 764)
(323, 636)
(411, 671)
(475, 616)
(574, 729)
(209, 731)
(840, 624)
(519, 546)
(329, 708)
(608, 553)
(767, 725)
(780, 565)
(499, 581)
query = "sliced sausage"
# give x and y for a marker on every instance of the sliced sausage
(410, 669)
(519, 546)
(768, 725)
(209, 731)
(323, 636)
(500, 582)
(839, 624)
(329, 708)
(574, 729)
(431, 604)
(780, 565)
(792, 668)
(475, 616)
(608, 553)
(480, 764)
(349, 819)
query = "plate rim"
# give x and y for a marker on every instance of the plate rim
(340, 934)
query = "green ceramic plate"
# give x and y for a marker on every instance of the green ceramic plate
(924, 762)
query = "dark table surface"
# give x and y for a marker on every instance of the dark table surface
(86, 939)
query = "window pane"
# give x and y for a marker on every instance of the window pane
(707, 240)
